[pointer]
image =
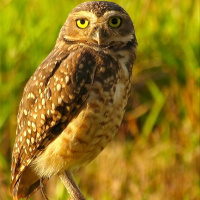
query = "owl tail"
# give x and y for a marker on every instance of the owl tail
(27, 184)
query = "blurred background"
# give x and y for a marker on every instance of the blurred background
(156, 153)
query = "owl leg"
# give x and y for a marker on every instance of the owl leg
(71, 186)
(42, 191)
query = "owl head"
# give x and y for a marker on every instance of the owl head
(99, 24)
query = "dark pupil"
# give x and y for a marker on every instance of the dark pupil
(114, 20)
(82, 21)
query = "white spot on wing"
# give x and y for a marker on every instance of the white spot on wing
(58, 87)
(28, 142)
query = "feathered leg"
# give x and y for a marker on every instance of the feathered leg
(71, 186)
(42, 191)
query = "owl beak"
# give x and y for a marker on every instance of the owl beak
(98, 37)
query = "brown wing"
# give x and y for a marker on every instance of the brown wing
(51, 97)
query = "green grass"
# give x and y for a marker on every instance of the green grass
(156, 153)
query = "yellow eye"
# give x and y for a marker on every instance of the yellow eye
(82, 23)
(114, 22)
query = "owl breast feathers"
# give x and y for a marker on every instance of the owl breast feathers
(74, 103)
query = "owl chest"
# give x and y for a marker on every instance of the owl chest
(99, 119)
(91, 129)
(100, 116)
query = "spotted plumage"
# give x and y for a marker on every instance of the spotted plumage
(73, 104)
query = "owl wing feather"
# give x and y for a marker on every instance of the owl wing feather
(50, 99)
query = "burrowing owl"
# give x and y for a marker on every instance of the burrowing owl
(74, 103)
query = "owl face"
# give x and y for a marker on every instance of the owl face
(99, 24)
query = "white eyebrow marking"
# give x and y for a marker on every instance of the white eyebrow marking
(87, 14)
